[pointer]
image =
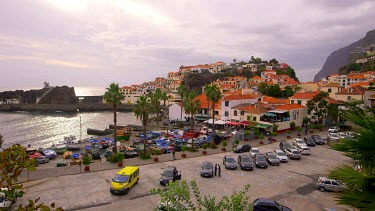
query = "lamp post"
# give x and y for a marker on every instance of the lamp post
(80, 125)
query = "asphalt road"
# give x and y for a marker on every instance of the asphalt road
(291, 183)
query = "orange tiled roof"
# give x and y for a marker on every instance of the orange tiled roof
(335, 74)
(126, 87)
(357, 76)
(331, 85)
(256, 78)
(239, 97)
(204, 104)
(363, 84)
(306, 95)
(250, 108)
(333, 101)
(272, 100)
(227, 85)
(289, 107)
(355, 90)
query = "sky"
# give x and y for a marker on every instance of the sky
(92, 43)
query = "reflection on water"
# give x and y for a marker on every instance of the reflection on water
(42, 129)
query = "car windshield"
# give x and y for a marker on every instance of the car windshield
(334, 135)
(272, 156)
(255, 150)
(281, 154)
(317, 137)
(260, 158)
(295, 152)
(300, 141)
(245, 159)
(121, 178)
(230, 160)
(207, 166)
(308, 139)
(168, 173)
(287, 145)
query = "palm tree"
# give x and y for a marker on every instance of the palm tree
(213, 95)
(1, 141)
(181, 90)
(164, 97)
(207, 89)
(360, 191)
(142, 110)
(191, 106)
(155, 101)
(113, 96)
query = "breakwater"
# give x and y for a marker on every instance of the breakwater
(64, 107)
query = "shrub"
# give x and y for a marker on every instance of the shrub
(246, 133)
(205, 146)
(292, 124)
(312, 126)
(288, 131)
(144, 156)
(274, 133)
(275, 127)
(237, 141)
(184, 148)
(86, 160)
(224, 143)
(257, 132)
(112, 159)
(155, 152)
(193, 149)
(262, 137)
(212, 145)
(299, 129)
(119, 157)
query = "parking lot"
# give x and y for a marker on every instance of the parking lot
(291, 183)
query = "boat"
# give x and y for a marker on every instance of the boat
(96, 132)
(123, 134)
(51, 154)
(72, 143)
(58, 148)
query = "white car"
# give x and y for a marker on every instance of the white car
(254, 151)
(4, 202)
(352, 134)
(281, 155)
(342, 134)
(333, 137)
(299, 142)
(334, 129)
(304, 150)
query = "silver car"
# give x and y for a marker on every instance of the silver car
(333, 137)
(323, 184)
(229, 162)
(299, 142)
(293, 154)
(254, 151)
(304, 150)
(281, 155)
(207, 169)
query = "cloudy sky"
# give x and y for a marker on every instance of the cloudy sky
(96, 42)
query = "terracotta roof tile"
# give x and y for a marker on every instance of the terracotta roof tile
(363, 84)
(272, 100)
(331, 85)
(289, 107)
(250, 108)
(306, 95)
(204, 104)
(356, 76)
(239, 97)
(256, 78)
(355, 90)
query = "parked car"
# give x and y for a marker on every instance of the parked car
(293, 154)
(272, 159)
(324, 183)
(242, 148)
(353, 134)
(284, 145)
(42, 160)
(334, 129)
(318, 139)
(281, 155)
(254, 151)
(245, 162)
(265, 204)
(333, 137)
(170, 174)
(304, 150)
(5, 203)
(260, 161)
(299, 142)
(207, 169)
(342, 135)
(309, 141)
(229, 162)
(130, 153)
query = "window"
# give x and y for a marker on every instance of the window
(334, 183)
(242, 113)
(299, 102)
(329, 90)
(226, 103)
(216, 112)
(292, 102)
(349, 98)
(327, 182)
(254, 118)
(235, 113)
(226, 114)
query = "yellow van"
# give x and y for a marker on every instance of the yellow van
(125, 179)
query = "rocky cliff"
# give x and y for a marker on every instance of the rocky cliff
(59, 95)
(345, 55)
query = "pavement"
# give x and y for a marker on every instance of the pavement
(291, 183)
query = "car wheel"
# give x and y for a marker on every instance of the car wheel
(322, 189)
(137, 181)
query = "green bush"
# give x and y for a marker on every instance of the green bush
(224, 143)
(237, 141)
(144, 156)
(292, 124)
(288, 131)
(119, 157)
(257, 132)
(193, 149)
(112, 159)
(205, 146)
(274, 133)
(155, 152)
(261, 137)
(299, 129)
(212, 145)
(184, 148)
(311, 126)
(86, 160)
(246, 133)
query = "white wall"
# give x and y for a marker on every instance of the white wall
(175, 112)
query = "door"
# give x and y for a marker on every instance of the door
(335, 186)
(328, 185)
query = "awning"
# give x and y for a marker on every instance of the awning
(217, 122)
(244, 123)
(233, 123)
(264, 126)
(270, 114)
(201, 118)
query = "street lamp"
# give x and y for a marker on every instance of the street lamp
(80, 125)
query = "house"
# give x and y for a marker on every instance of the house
(232, 100)
(247, 112)
(267, 72)
(351, 93)
(309, 86)
(174, 111)
(206, 107)
(331, 88)
(283, 115)
(12, 101)
(256, 79)
(369, 99)
(302, 98)
(274, 101)
(355, 78)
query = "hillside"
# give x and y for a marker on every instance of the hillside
(346, 55)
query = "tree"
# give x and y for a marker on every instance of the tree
(181, 90)
(164, 97)
(213, 95)
(263, 88)
(177, 197)
(275, 91)
(155, 101)
(288, 91)
(359, 191)
(142, 110)
(207, 89)
(371, 86)
(354, 67)
(273, 61)
(318, 106)
(113, 96)
(13, 161)
(191, 107)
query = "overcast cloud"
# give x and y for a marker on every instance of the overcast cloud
(96, 42)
